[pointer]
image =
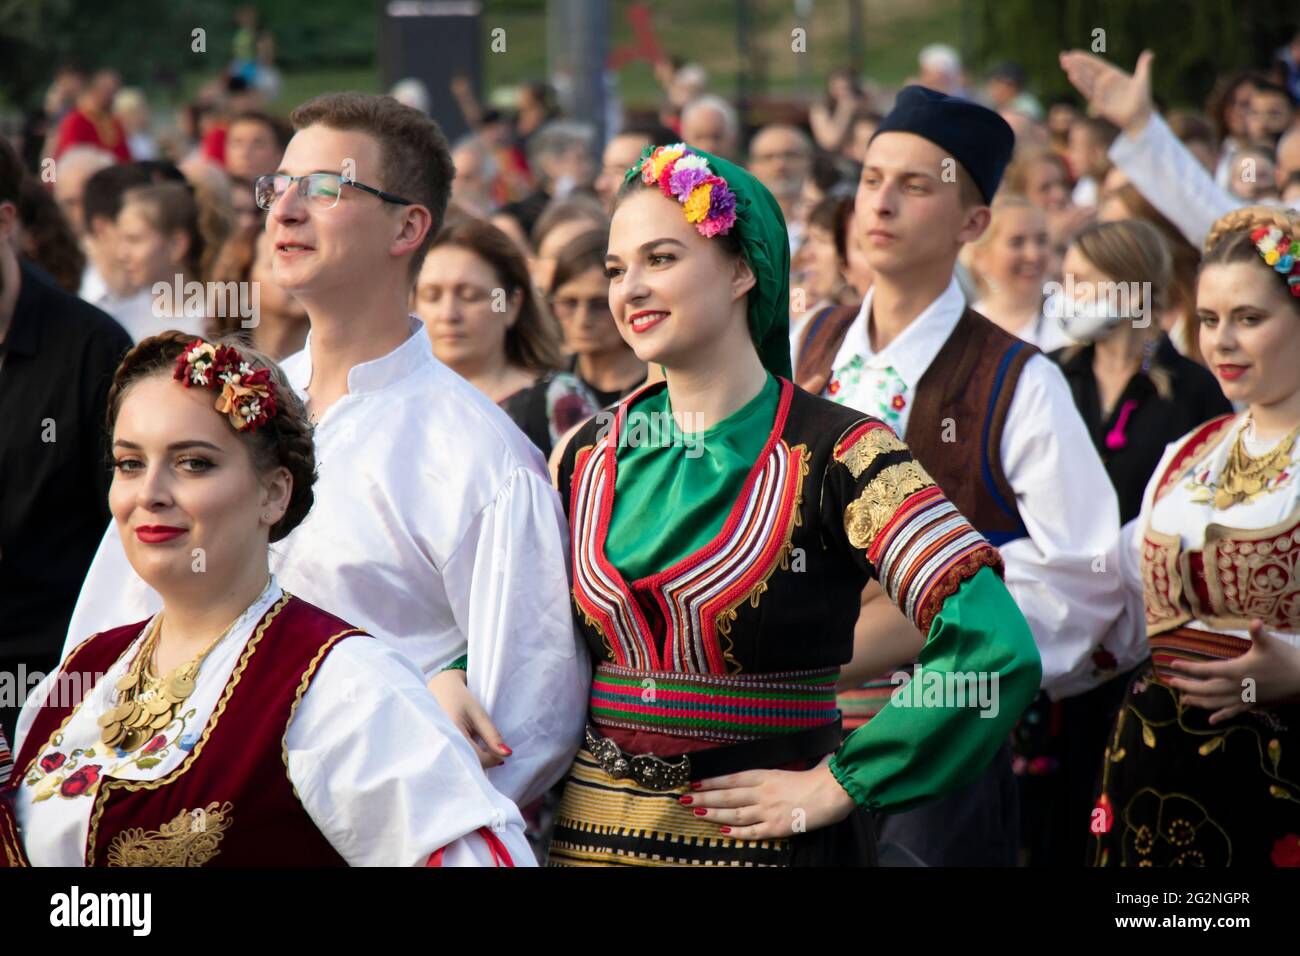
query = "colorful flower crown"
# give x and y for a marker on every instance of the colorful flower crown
(247, 394)
(1281, 252)
(684, 175)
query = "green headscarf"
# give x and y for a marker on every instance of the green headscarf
(765, 244)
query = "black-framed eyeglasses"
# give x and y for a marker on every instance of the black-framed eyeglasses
(322, 190)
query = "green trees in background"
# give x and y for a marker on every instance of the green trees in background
(1195, 41)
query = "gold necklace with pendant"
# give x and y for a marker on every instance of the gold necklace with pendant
(1245, 477)
(149, 702)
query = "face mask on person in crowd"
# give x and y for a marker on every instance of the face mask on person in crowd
(1084, 321)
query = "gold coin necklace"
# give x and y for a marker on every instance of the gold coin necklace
(1246, 477)
(149, 702)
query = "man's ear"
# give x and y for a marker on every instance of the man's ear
(415, 224)
(975, 220)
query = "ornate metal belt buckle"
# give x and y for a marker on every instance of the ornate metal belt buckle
(651, 772)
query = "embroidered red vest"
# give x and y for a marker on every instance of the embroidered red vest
(1236, 575)
(230, 802)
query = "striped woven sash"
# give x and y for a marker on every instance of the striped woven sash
(712, 706)
(1192, 644)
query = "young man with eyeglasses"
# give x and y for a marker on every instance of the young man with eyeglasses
(435, 526)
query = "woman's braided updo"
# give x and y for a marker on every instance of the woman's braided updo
(1229, 240)
(284, 441)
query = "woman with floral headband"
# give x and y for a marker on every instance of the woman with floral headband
(240, 726)
(724, 527)
(1201, 766)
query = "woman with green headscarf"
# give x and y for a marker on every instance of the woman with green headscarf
(724, 526)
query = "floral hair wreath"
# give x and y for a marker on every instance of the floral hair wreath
(684, 175)
(247, 395)
(1281, 252)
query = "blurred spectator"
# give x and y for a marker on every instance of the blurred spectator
(860, 133)
(45, 237)
(61, 98)
(1196, 133)
(91, 121)
(487, 324)
(1006, 90)
(940, 69)
(560, 156)
(1089, 141)
(831, 117)
(1029, 133)
(781, 157)
(1061, 114)
(255, 141)
(239, 98)
(710, 123)
(1135, 392)
(476, 172)
(411, 92)
(58, 355)
(71, 173)
(820, 265)
(622, 152)
(1272, 109)
(105, 283)
(1010, 263)
(579, 299)
(280, 326)
(1179, 318)
(1040, 175)
(245, 212)
(1253, 174)
(167, 236)
(1228, 107)
(132, 111)
(560, 222)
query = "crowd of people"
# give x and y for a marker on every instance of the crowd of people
(910, 485)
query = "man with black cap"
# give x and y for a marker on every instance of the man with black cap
(987, 415)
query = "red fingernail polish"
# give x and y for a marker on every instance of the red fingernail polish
(506, 750)
(696, 785)
(700, 811)
(726, 829)
(686, 799)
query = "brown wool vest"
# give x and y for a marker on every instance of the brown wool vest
(958, 414)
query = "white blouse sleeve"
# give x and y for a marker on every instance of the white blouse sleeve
(508, 585)
(1172, 179)
(385, 775)
(1059, 575)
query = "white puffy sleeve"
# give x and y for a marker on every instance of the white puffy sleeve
(385, 775)
(1172, 179)
(1062, 575)
(508, 585)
